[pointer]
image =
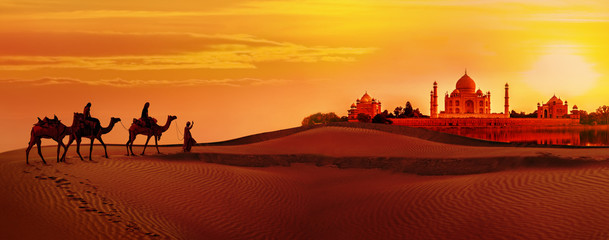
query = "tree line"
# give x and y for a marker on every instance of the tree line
(408, 111)
(600, 116)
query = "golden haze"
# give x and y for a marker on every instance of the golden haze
(242, 67)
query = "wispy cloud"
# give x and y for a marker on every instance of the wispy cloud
(127, 83)
(147, 51)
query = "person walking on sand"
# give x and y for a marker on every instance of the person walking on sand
(188, 140)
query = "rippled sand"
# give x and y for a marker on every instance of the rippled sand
(183, 196)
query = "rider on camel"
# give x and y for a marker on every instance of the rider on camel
(94, 121)
(145, 118)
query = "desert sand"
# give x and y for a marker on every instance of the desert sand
(334, 182)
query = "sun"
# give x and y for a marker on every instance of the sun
(562, 71)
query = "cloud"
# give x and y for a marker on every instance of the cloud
(88, 44)
(152, 51)
(126, 83)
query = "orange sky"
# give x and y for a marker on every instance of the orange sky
(240, 67)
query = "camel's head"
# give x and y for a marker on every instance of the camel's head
(171, 118)
(115, 119)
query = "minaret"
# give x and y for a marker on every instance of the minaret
(507, 101)
(434, 101)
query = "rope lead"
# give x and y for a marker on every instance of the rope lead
(178, 133)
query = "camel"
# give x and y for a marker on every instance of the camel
(49, 128)
(86, 131)
(155, 131)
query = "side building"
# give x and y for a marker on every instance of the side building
(555, 108)
(366, 105)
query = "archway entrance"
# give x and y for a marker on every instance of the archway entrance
(469, 106)
(545, 113)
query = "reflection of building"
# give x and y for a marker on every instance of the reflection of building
(554, 108)
(466, 102)
(367, 105)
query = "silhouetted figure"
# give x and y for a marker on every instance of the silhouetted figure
(86, 132)
(188, 140)
(156, 131)
(145, 118)
(94, 123)
(47, 128)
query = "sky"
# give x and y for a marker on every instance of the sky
(240, 67)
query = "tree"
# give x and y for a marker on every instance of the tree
(381, 118)
(320, 118)
(603, 114)
(398, 111)
(514, 114)
(417, 113)
(362, 117)
(408, 111)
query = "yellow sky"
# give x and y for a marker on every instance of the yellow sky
(243, 67)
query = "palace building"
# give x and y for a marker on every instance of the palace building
(466, 102)
(366, 105)
(555, 108)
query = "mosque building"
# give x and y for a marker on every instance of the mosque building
(466, 102)
(366, 105)
(555, 108)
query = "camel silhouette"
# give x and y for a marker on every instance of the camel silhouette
(49, 128)
(85, 130)
(155, 130)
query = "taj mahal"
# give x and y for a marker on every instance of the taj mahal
(469, 106)
(466, 102)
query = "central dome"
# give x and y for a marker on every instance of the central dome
(466, 84)
(366, 98)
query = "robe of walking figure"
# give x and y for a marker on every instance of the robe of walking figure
(188, 140)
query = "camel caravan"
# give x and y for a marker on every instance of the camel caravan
(85, 126)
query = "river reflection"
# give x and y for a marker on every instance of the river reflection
(574, 135)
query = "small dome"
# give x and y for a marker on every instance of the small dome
(455, 93)
(554, 99)
(466, 84)
(353, 105)
(479, 92)
(366, 98)
(574, 107)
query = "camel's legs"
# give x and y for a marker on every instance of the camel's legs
(127, 144)
(91, 148)
(157, 145)
(130, 144)
(39, 151)
(65, 150)
(29, 147)
(58, 148)
(63, 157)
(103, 144)
(145, 145)
(78, 148)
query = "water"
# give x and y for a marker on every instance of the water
(573, 135)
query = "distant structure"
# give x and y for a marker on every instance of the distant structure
(466, 102)
(367, 105)
(555, 108)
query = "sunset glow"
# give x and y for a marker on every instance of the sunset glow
(241, 67)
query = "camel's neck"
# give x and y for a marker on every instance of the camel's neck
(109, 128)
(167, 124)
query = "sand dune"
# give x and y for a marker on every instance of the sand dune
(182, 196)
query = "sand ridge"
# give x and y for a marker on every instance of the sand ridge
(178, 195)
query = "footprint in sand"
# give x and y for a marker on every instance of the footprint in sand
(107, 209)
